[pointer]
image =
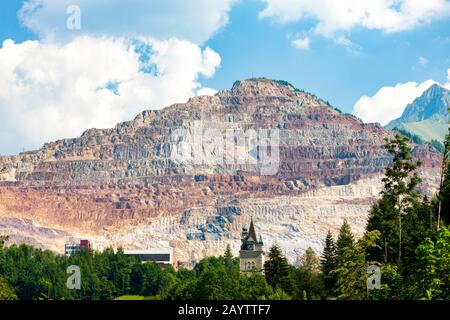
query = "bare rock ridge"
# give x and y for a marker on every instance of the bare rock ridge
(122, 186)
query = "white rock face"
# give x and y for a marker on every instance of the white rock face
(293, 222)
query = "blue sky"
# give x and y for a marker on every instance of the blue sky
(10, 26)
(362, 65)
(251, 46)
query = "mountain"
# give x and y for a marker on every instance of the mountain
(149, 182)
(427, 116)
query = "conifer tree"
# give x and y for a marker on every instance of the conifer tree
(328, 263)
(228, 260)
(307, 277)
(276, 270)
(383, 217)
(398, 196)
(345, 240)
(402, 177)
(351, 273)
(444, 189)
(228, 256)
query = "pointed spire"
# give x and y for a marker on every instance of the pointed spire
(251, 231)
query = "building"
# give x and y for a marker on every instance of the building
(73, 248)
(85, 245)
(251, 254)
(161, 256)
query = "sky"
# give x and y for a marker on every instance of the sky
(70, 65)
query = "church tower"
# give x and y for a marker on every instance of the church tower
(251, 253)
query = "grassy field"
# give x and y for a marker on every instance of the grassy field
(130, 298)
(137, 298)
(426, 129)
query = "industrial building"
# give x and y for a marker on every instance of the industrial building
(161, 256)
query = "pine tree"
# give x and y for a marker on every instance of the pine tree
(351, 273)
(276, 270)
(228, 260)
(383, 217)
(228, 256)
(398, 196)
(345, 240)
(328, 263)
(402, 177)
(307, 277)
(444, 189)
(418, 224)
(309, 261)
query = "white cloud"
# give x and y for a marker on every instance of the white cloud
(50, 91)
(127, 56)
(423, 61)
(206, 92)
(334, 17)
(195, 20)
(447, 85)
(389, 102)
(301, 43)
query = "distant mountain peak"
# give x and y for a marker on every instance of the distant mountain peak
(427, 116)
(435, 88)
(433, 103)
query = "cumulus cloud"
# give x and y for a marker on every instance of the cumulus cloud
(50, 91)
(206, 92)
(301, 43)
(389, 102)
(195, 20)
(334, 17)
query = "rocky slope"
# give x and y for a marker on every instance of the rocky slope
(148, 182)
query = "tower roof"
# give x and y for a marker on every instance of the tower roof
(251, 231)
(250, 238)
